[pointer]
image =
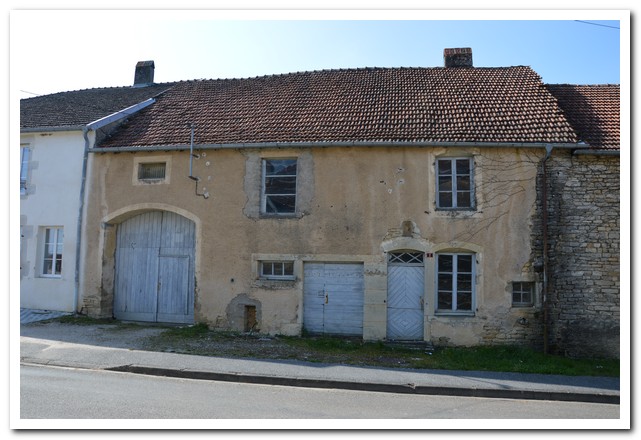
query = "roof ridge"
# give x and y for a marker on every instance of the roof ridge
(582, 85)
(354, 69)
(89, 89)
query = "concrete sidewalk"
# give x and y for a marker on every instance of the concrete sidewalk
(302, 374)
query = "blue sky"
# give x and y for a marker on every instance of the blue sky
(101, 48)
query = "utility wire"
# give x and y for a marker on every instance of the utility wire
(597, 24)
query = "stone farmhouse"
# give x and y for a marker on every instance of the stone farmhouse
(458, 205)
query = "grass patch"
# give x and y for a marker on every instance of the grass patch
(518, 360)
(492, 358)
(192, 331)
(84, 320)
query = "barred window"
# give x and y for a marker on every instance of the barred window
(151, 171)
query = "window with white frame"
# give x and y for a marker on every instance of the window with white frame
(278, 186)
(52, 252)
(455, 283)
(522, 293)
(277, 270)
(455, 183)
(25, 154)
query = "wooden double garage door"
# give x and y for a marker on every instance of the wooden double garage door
(333, 298)
(155, 268)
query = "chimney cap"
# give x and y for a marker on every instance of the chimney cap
(458, 57)
(149, 63)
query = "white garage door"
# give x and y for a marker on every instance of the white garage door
(333, 298)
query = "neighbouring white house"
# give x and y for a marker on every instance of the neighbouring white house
(56, 131)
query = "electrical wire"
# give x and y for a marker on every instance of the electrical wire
(596, 24)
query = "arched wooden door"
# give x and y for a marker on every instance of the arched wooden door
(155, 268)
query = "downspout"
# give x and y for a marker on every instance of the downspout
(544, 202)
(83, 179)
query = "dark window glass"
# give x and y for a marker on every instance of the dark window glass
(445, 263)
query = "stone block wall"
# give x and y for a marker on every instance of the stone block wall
(583, 243)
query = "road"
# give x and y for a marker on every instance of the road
(67, 393)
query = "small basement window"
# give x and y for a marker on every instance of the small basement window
(277, 270)
(152, 171)
(522, 293)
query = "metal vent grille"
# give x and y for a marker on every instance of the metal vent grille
(152, 171)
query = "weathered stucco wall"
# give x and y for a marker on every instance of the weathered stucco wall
(353, 205)
(51, 199)
(584, 254)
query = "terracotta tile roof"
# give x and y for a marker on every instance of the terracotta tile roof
(367, 104)
(77, 108)
(593, 111)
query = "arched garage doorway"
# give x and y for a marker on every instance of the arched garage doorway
(154, 279)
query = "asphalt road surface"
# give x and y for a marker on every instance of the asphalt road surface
(68, 393)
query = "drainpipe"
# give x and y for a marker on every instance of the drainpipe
(544, 202)
(83, 179)
(191, 151)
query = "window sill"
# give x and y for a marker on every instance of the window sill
(451, 313)
(274, 284)
(466, 210)
(277, 216)
(151, 181)
(287, 278)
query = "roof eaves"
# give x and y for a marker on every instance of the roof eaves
(51, 128)
(325, 144)
(597, 152)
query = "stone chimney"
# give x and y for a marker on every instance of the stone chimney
(144, 74)
(458, 57)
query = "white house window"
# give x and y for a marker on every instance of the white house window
(279, 186)
(522, 294)
(151, 171)
(455, 290)
(24, 168)
(52, 255)
(455, 183)
(277, 270)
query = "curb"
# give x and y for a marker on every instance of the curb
(377, 387)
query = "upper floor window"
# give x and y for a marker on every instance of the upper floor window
(151, 171)
(24, 168)
(279, 186)
(455, 183)
(52, 255)
(455, 285)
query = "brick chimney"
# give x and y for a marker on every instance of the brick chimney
(144, 74)
(458, 57)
